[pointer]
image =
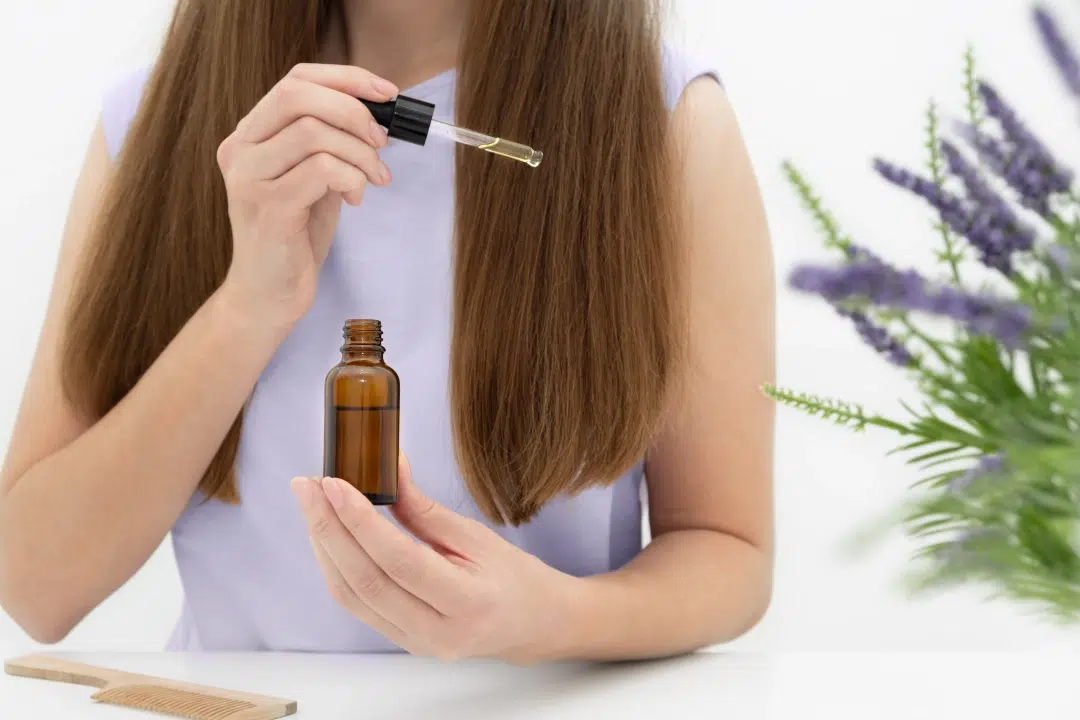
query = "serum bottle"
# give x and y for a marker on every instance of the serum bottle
(360, 444)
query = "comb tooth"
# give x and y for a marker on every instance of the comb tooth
(171, 701)
(219, 713)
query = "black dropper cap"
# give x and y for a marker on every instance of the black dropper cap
(404, 118)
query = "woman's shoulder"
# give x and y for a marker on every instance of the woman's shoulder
(119, 105)
(681, 67)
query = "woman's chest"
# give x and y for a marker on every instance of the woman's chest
(391, 260)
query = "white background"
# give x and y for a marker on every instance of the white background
(828, 83)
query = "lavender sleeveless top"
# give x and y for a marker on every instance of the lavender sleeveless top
(249, 578)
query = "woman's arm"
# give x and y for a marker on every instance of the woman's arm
(84, 502)
(706, 576)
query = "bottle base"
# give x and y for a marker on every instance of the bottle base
(380, 499)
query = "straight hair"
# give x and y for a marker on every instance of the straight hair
(563, 386)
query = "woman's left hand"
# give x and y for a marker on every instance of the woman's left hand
(462, 592)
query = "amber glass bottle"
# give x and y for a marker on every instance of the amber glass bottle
(361, 434)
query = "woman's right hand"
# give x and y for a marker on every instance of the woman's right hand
(305, 147)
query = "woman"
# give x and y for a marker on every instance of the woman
(566, 336)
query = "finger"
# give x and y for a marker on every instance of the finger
(292, 99)
(344, 596)
(436, 524)
(313, 178)
(306, 137)
(353, 197)
(363, 576)
(413, 566)
(348, 79)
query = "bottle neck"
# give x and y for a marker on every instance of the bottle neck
(363, 341)
(361, 353)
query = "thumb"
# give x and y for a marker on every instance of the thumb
(431, 522)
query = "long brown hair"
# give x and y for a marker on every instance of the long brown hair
(562, 386)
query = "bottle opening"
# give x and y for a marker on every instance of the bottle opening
(363, 332)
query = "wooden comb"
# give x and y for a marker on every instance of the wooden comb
(144, 692)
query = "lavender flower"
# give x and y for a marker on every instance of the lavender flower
(977, 188)
(1029, 167)
(988, 465)
(995, 230)
(985, 219)
(886, 286)
(878, 338)
(1007, 321)
(1059, 48)
(988, 204)
(1013, 167)
(875, 281)
(951, 207)
(993, 152)
(1015, 130)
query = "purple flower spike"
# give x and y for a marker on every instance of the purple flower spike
(878, 338)
(873, 281)
(984, 217)
(1060, 50)
(1027, 165)
(977, 188)
(995, 230)
(951, 207)
(988, 465)
(1022, 237)
(1011, 166)
(982, 315)
(888, 287)
(1015, 130)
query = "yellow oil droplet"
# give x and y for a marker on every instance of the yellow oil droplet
(515, 151)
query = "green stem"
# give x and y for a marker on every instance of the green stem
(827, 224)
(1062, 227)
(937, 173)
(934, 345)
(971, 90)
(887, 424)
(1036, 378)
(841, 413)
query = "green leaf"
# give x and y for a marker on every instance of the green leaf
(947, 452)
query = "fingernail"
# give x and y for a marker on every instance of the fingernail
(333, 492)
(386, 87)
(384, 173)
(378, 135)
(301, 487)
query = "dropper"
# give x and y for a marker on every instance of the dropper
(413, 121)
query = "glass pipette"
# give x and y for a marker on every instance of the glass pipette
(413, 121)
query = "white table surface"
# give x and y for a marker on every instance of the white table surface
(727, 687)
